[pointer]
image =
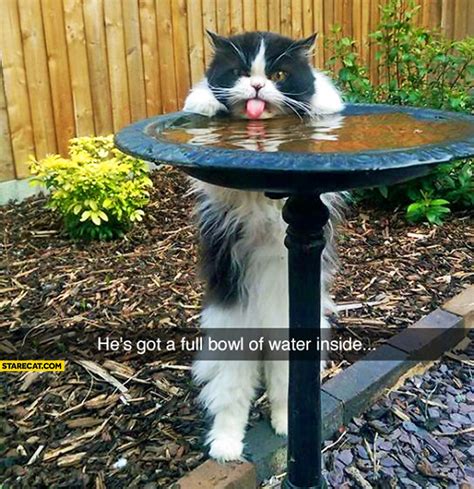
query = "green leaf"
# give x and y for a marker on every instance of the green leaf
(103, 216)
(383, 191)
(95, 218)
(345, 74)
(85, 215)
(437, 202)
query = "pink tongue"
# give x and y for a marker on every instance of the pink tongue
(255, 108)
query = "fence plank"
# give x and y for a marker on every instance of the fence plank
(357, 23)
(318, 26)
(274, 15)
(94, 24)
(447, 18)
(133, 49)
(78, 68)
(470, 20)
(181, 49)
(261, 13)
(285, 18)
(308, 22)
(373, 23)
(117, 63)
(425, 12)
(18, 107)
(435, 7)
(166, 49)
(347, 21)
(223, 17)
(151, 61)
(58, 65)
(196, 41)
(328, 24)
(37, 76)
(248, 7)
(7, 167)
(296, 19)
(338, 13)
(209, 23)
(460, 19)
(365, 21)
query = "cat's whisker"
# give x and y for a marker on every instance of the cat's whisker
(212, 87)
(306, 108)
(292, 109)
(295, 104)
(305, 92)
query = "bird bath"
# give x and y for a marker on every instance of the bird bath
(364, 146)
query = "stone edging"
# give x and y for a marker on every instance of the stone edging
(344, 396)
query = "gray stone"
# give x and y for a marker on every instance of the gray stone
(360, 384)
(268, 450)
(430, 337)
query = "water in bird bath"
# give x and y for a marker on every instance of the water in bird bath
(329, 134)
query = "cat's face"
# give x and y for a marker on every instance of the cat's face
(259, 75)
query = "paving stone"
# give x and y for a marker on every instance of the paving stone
(332, 414)
(360, 384)
(268, 450)
(212, 475)
(431, 336)
(463, 305)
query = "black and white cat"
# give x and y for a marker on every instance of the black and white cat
(255, 76)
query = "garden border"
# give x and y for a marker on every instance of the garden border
(344, 396)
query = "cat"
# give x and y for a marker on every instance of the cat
(256, 75)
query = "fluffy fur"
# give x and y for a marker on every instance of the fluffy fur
(244, 260)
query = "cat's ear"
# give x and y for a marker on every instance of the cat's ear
(308, 42)
(216, 40)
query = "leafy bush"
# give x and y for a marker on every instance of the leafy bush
(99, 191)
(416, 67)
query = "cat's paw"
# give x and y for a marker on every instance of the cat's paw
(324, 366)
(280, 421)
(202, 101)
(226, 449)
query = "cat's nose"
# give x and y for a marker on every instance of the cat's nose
(257, 84)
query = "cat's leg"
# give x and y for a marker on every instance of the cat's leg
(276, 379)
(229, 387)
(202, 101)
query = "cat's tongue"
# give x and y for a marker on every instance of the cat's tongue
(254, 108)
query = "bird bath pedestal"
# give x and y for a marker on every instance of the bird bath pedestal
(364, 146)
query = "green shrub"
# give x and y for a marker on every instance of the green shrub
(99, 191)
(416, 67)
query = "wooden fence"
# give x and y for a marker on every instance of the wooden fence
(83, 67)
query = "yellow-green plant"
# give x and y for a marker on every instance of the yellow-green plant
(99, 191)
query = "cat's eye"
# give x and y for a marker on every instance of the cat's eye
(239, 72)
(278, 76)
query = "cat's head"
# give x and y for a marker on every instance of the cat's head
(258, 75)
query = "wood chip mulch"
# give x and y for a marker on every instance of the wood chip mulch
(116, 420)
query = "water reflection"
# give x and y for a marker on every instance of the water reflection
(335, 133)
(259, 135)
